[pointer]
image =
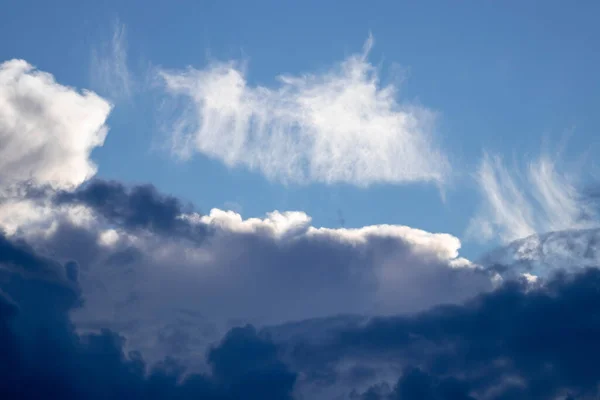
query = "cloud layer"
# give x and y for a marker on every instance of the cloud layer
(44, 357)
(47, 130)
(518, 342)
(522, 340)
(338, 126)
(518, 203)
(218, 270)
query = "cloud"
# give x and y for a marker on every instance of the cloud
(542, 255)
(517, 204)
(43, 356)
(139, 207)
(219, 270)
(522, 341)
(339, 126)
(172, 282)
(109, 68)
(47, 130)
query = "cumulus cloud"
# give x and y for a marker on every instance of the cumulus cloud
(47, 133)
(341, 125)
(109, 68)
(520, 203)
(47, 130)
(219, 270)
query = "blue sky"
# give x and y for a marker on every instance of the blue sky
(511, 79)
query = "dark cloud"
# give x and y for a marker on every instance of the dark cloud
(517, 342)
(248, 366)
(134, 208)
(416, 384)
(42, 357)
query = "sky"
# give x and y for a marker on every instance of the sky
(287, 200)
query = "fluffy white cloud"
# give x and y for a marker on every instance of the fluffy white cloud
(109, 68)
(47, 130)
(338, 126)
(517, 204)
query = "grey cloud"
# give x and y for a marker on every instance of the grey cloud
(230, 271)
(518, 342)
(43, 356)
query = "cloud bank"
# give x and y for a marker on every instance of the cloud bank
(517, 204)
(521, 341)
(219, 270)
(44, 357)
(340, 126)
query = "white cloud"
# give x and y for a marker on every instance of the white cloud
(47, 130)
(338, 126)
(517, 204)
(23, 215)
(16, 214)
(109, 68)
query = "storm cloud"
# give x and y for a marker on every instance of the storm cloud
(517, 342)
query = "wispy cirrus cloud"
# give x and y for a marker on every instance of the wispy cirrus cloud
(521, 201)
(109, 69)
(339, 126)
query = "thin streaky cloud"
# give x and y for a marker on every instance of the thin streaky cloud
(109, 68)
(518, 202)
(340, 126)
